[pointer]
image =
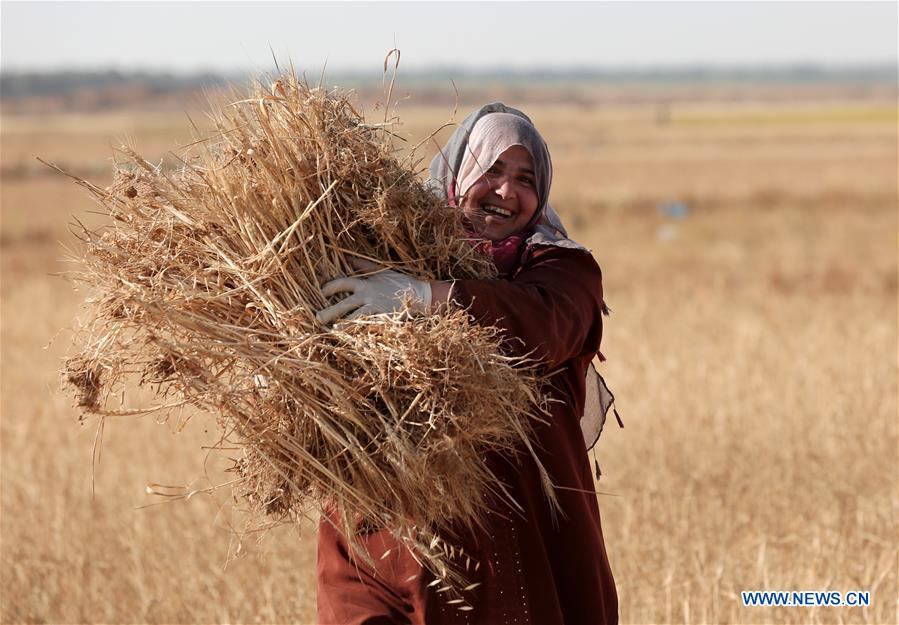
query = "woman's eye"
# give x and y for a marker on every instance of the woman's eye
(526, 180)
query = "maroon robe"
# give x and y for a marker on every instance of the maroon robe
(533, 569)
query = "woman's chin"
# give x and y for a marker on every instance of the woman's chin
(498, 229)
(493, 229)
(497, 236)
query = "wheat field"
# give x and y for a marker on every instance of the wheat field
(752, 349)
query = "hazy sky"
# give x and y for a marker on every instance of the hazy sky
(235, 36)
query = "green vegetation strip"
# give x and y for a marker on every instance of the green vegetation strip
(874, 115)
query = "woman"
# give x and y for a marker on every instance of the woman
(535, 566)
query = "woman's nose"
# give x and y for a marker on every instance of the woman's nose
(505, 189)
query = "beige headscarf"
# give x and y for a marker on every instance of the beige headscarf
(474, 147)
(494, 134)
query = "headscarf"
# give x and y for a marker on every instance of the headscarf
(471, 150)
(475, 145)
(494, 134)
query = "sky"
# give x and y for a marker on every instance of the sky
(237, 36)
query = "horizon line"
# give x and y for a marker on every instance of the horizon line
(465, 70)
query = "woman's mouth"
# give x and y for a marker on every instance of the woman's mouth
(498, 211)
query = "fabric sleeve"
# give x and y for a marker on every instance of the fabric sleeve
(551, 309)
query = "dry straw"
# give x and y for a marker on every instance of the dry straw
(205, 287)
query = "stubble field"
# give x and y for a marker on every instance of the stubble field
(752, 349)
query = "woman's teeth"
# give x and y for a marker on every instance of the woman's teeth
(496, 210)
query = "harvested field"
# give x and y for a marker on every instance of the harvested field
(752, 348)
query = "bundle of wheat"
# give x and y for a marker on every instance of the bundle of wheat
(206, 284)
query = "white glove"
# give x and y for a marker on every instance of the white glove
(383, 292)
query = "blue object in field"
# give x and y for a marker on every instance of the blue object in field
(674, 210)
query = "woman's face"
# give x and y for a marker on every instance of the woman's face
(503, 201)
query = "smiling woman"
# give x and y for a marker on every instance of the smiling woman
(498, 177)
(538, 560)
(504, 200)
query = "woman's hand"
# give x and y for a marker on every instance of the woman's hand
(385, 291)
